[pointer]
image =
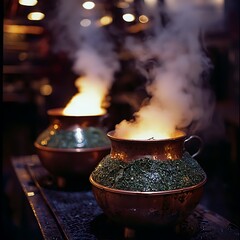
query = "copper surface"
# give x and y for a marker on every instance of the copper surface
(164, 149)
(136, 209)
(67, 122)
(71, 162)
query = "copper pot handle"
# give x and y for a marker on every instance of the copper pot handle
(200, 144)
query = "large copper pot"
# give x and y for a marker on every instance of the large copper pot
(136, 209)
(66, 160)
(147, 208)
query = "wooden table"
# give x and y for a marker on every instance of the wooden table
(67, 213)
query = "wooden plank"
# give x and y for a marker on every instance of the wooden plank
(76, 215)
(44, 217)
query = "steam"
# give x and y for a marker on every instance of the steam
(174, 63)
(89, 46)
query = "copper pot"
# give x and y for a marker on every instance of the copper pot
(147, 208)
(63, 158)
(136, 209)
(171, 148)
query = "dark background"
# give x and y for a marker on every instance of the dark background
(29, 65)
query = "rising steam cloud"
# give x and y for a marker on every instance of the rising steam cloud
(93, 55)
(180, 97)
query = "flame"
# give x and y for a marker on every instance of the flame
(147, 135)
(88, 101)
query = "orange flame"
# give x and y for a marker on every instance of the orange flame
(153, 135)
(142, 132)
(147, 135)
(88, 101)
(147, 128)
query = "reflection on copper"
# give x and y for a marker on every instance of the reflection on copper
(164, 149)
(138, 208)
(70, 162)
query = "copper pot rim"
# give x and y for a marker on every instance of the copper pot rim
(182, 135)
(71, 150)
(54, 112)
(141, 193)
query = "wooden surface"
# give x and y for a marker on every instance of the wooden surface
(69, 212)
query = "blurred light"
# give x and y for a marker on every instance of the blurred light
(143, 19)
(28, 2)
(22, 56)
(105, 20)
(218, 2)
(85, 22)
(88, 5)
(128, 17)
(46, 90)
(30, 194)
(35, 16)
(151, 3)
(129, 1)
(22, 29)
(122, 5)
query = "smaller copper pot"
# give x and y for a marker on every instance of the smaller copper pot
(148, 209)
(70, 162)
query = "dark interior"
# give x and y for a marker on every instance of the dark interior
(30, 65)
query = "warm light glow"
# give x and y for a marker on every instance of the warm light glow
(122, 5)
(35, 16)
(85, 22)
(87, 102)
(128, 17)
(22, 29)
(218, 3)
(46, 90)
(106, 20)
(28, 2)
(151, 3)
(88, 5)
(30, 194)
(143, 19)
(143, 133)
(22, 56)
